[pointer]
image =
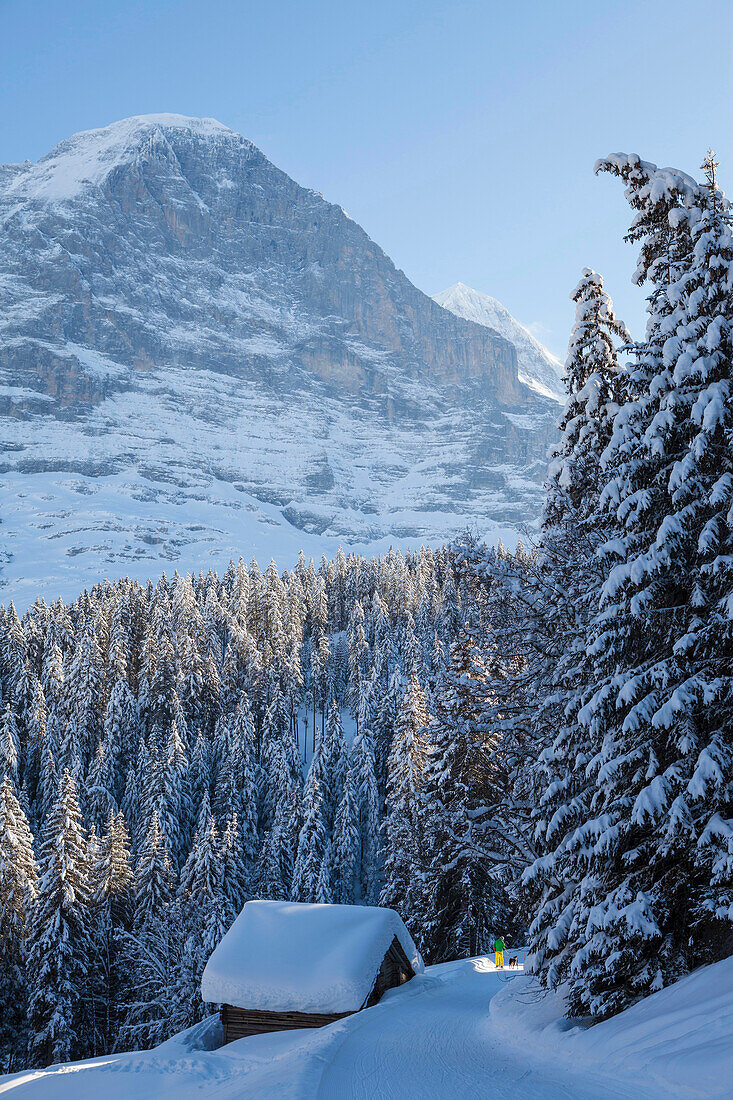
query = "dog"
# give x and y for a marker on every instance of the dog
(514, 962)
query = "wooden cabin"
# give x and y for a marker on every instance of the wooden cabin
(285, 965)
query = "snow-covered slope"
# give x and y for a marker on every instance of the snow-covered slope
(201, 359)
(678, 1042)
(460, 1029)
(538, 368)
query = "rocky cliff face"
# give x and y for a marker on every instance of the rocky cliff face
(200, 358)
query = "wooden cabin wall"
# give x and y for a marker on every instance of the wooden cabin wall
(394, 971)
(238, 1022)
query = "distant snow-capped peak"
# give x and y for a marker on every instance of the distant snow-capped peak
(538, 368)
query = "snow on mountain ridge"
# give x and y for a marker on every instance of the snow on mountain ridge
(90, 155)
(538, 367)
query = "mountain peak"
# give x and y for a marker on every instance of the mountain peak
(538, 367)
(86, 158)
(462, 288)
(164, 120)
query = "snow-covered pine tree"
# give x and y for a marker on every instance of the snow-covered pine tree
(594, 393)
(18, 890)
(160, 680)
(82, 699)
(14, 651)
(459, 903)
(269, 878)
(112, 903)
(313, 840)
(174, 795)
(344, 851)
(387, 707)
(205, 916)
(120, 733)
(132, 799)
(236, 869)
(319, 670)
(665, 688)
(411, 652)
(358, 656)
(199, 779)
(235, 793)
(403, 857)
(118, 651)
(560, 591)
(153, 876)
(48, 779)
(152, 949)
(59, 940)
(368, 816)
(704, 379)
(333, 755)
(99, 801)
(640, 849)
(324, 891)
(287, 811)
(52, 672)
(35, 722)
(9, 747)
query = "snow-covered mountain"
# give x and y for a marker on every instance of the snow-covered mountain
(200, 359)
(538, 367)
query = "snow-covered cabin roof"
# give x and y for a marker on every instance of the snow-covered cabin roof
(282, 956)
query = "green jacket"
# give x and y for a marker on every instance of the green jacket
(498, 944)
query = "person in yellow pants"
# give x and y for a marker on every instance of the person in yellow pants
(499, 949)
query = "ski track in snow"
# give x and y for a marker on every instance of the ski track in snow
(442, 1044)
(434, 1037)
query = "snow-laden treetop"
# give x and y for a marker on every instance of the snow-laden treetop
(88, 157)
(282, 956)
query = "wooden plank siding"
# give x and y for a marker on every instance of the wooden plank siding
(394, 971)
(239, 1022)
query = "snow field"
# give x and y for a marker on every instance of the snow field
(460, 1030)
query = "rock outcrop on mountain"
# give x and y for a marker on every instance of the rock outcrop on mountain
(200, 358)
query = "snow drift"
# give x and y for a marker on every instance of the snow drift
(679, 1040)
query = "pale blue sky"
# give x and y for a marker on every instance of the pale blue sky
(461, 135)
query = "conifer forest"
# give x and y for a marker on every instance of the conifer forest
(536, 742)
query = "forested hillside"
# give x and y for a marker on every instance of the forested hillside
(157, 744)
